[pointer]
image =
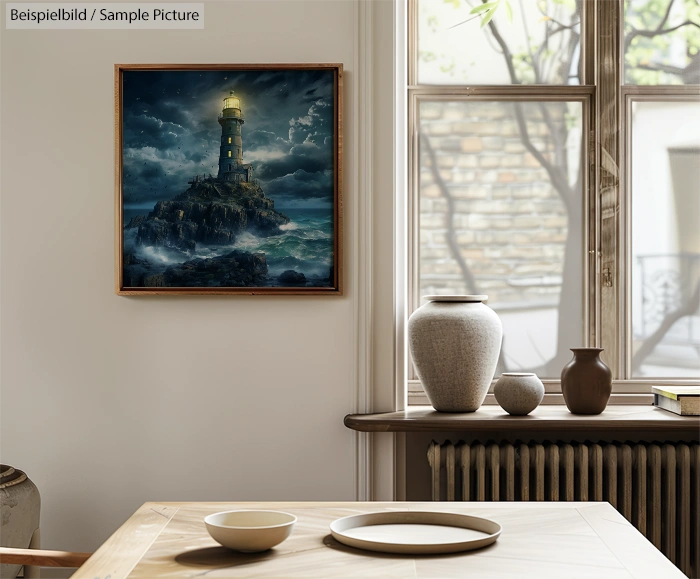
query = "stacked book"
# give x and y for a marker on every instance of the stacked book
(683, 400)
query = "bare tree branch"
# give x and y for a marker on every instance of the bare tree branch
(686, 309)
(659, 30)
(464, 21)
(467, 274)
(664, 20)
(535, 57)
(488, 38)
(558, 139)
(507, 54)
(535, 62)
(573, 40)
(556, 176)
(653, 33)
(559, 180)
(659, 67)
(555, 18)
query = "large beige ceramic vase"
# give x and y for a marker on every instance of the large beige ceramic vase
(20, 504)
(454, 342)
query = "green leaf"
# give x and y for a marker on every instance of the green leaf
(487, 17)
(509, 12)
(479, 9)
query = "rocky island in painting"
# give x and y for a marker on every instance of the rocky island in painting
(228, 178)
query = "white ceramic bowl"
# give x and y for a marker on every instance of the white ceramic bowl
(250, 531)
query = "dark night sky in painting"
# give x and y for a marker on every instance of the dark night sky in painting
(170, 132)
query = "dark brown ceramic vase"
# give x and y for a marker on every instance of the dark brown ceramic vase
(586, 382)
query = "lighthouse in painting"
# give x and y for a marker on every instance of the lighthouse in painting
(231, 166)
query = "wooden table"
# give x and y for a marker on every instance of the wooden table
(539, 540)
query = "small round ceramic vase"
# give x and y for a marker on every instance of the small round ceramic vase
(454, 343)
(586, 382)
(518, 393)
(20, 504)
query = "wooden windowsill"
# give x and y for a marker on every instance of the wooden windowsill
(619, 419)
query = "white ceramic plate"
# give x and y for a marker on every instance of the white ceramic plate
(457, 298)
(415, 532)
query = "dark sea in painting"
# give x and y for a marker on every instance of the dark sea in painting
(304, 245)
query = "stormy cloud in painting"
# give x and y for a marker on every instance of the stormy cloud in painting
(228, 178)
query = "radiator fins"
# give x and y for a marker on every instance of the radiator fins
(655, 486)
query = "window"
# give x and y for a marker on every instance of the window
(561, 179)
(229, 140)
(228, 153)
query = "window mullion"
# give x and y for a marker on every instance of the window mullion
(412, 22)
(608, 271)
(588, 43)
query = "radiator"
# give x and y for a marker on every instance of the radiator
(655, 486)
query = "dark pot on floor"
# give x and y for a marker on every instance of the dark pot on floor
(19, 506)
(586, 382)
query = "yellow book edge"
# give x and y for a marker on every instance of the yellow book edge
(674, 392)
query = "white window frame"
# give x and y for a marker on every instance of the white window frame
(606, 108)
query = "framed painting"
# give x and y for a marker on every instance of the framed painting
(228, 179)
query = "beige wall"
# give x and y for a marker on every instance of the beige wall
(109, 401)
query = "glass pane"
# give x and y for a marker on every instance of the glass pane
(525, 42)
(662, 38)
(501, 214)
(666, 239)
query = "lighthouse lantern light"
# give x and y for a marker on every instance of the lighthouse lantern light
(232, 103)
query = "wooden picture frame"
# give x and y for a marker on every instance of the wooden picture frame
(226, 231)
